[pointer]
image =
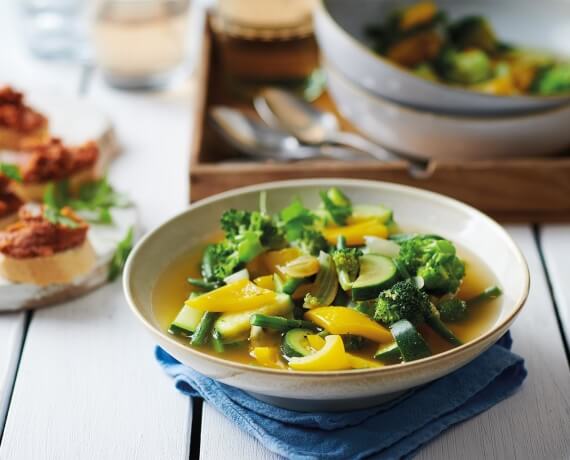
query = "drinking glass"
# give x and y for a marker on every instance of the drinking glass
(140, 44)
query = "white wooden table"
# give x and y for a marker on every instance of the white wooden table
(78, 381)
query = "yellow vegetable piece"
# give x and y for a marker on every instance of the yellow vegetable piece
(418, 48)
(273, 259)
(499, 86)
(239, 296)
(355, 233)
(267, 356)
(302, 291)
(417, 14)
(331, 357)
(316, 341)
(265, 282)
(344, 320)
(356, 362)
(301, 267)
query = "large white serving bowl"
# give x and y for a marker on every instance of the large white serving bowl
(329, 390)
(447, 137)
(340, 30)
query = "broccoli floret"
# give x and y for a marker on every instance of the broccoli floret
(552, 80)
(311, 242)
(453, 309)
(337, 205)
(239, 225)
(248, 234)
(347, 265)
(473, 32)
(435, 260)
(464, 67)
(402, 301)
(219, 261)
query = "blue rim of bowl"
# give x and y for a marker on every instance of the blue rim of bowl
(396, 368)
(321, 7)
(493, 119)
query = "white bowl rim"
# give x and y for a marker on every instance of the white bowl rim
(391, 369)
(494, 119)
(321, 7)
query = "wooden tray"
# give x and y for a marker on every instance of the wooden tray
(526, 190)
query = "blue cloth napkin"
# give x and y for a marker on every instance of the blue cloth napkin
(393, 430)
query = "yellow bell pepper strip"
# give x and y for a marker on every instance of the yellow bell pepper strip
(316, 341)
(239, 296)
(355, 233)
(273, 259)
(356, 362)
(331, 357)
(267, 356)
(344, 320)
(415, 15)
(265, 282)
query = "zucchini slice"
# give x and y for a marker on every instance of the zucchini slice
(439, 327)
(389, 353)
(295, 343)
(376, 274)
(235, 326)
(410, 342)
(186, 321)
(363, 211)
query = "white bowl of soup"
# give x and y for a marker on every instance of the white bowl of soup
(341, 30)
(316, 339)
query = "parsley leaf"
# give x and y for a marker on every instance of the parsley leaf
(94, 201)
(294, 218)
(54, 216)
(11, 171)
(121, 253)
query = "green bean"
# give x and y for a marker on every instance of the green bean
(201, 284)
(488, 294)
(217, 342)
(279, 323)
(202, 332)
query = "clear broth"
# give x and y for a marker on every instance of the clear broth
(172, 289)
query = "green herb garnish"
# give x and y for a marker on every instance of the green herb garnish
(54, 216)
(94, 201)
(121, 253)
(11, 171)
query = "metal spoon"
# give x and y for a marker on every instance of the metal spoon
(258, 140)
(279, 108)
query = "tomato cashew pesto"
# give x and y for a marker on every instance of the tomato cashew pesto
(9, 202)
(45, 246)
(18, 122)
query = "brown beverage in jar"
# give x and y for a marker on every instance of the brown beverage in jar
(268, 42)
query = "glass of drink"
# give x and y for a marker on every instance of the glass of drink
(140, 44)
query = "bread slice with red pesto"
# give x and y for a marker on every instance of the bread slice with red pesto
(45, 246)
(10, 203)
(18, 122)
(52, 161)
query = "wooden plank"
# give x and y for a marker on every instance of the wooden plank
(11, 337)
(531, 424)
(555, 243)
(88, 387)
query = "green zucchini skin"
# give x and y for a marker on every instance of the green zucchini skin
(410, 342)
(442, 330)
(377, 273)
(294, 343)
(389, 353)
(186, 321)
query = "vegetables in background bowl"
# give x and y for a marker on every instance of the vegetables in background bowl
(466, 52)
(333, 288)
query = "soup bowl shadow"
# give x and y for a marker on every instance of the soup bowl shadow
(338, 390)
